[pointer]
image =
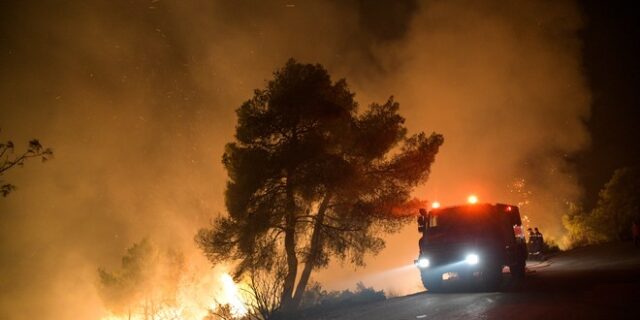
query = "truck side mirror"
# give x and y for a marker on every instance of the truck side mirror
(423, 212)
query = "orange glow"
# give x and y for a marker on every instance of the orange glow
(435, 205)
(472, 199)
(196, 295)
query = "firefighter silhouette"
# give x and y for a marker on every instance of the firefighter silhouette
(532, 237)
(539, 239)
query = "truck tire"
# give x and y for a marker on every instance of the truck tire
(518, 270)
(492, 277)
(431, 281)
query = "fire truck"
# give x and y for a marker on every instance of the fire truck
(470, 244)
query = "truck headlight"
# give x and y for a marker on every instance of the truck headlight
(423, 263)
(472, 259)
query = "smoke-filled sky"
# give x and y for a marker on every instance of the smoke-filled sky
(138, 99)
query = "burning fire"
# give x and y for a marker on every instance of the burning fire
(232, 296)
(196, 296)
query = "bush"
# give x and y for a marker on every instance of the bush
(318, 301)
(617, 207)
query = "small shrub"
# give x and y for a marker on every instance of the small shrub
(318, 301)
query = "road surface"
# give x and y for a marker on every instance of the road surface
(599, 282)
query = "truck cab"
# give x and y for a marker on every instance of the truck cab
(470, 244)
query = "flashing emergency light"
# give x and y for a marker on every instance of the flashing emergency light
(435, 205)
(472, 199)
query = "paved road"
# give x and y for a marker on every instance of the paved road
(600, 282)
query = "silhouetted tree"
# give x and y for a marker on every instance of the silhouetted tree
(618, 204)
(146, 281)
(617, 207)
(9, 159)
(310, 178)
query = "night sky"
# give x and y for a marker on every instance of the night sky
(611, 51)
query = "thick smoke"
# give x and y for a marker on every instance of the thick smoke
(138, 97)
(503, 82)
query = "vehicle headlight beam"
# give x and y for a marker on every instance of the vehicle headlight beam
(472, 259)
(423, 263)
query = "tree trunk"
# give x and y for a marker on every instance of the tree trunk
(290, 249)
(314, 250)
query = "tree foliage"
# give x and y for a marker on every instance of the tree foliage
(618, 204)
(311, 179)
(617, 207)
(145, 283)
(9, 159)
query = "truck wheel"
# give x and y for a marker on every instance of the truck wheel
(431, 281)
(493, 278)
(518, 270)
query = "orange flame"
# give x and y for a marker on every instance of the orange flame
(197, 295)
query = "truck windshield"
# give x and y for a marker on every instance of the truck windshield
(461, 222)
